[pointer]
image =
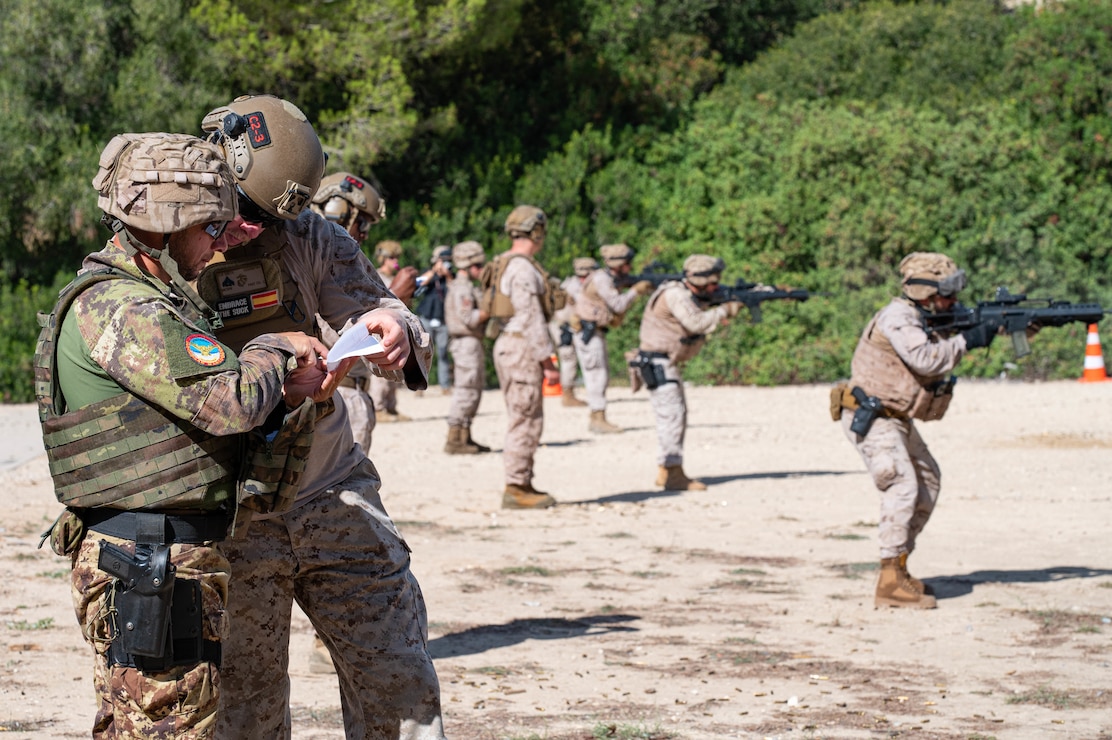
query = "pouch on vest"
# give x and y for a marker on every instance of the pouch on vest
(242, 291)
(271, 476)
(836, 394)
(931, 402)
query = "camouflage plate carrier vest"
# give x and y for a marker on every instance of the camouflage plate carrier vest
(589, 305)
(497, 304)
(122, 452)
(880, 372)
(661, 331)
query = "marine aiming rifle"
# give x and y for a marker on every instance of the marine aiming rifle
(1015, 313)
(656, 272)
(753, 295)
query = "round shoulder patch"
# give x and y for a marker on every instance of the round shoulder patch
(204, 350)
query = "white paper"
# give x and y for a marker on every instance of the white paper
(355, 342)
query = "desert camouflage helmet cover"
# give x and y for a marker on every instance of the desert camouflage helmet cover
(342, 193)
(164, 183)
(468, 253)
(523, 219)
(583, 266)
(699, 269)
(387, 249)
(273, 151)
(616, 254)
(927, 273)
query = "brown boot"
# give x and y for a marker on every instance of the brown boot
(320, 660)
(457, 442)
(600, 425)
(672, 478)
(894, 587)
(525, 497)
(567, 398)
(923, 588)
(473, 443)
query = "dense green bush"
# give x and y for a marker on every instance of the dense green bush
(19, 330)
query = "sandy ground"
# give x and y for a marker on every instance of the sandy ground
(742, 611)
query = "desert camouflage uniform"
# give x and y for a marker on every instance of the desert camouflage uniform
(600, 302)
(336, 552)
(902, 468)
(565, 353)
(674, 326)
(130, 340)
(355, 390)
(518, 353)
(461, 316)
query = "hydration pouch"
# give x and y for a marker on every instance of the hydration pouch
(836, 394)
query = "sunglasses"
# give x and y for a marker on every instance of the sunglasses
(252, 213)
(216, 229)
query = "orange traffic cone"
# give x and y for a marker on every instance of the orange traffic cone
(1094, 359)
(554, 389)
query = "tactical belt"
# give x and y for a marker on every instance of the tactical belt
(849, 402)
(189, 529)
(357, 383)
(654, 355)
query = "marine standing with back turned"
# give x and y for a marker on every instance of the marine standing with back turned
(902, 372)
(521, 305)
(143, 413)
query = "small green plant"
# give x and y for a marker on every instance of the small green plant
(1045, 696)
(59, 574)
(605, 730)
(847, 536)
(855, 570)
(525, 570)
(23, 625)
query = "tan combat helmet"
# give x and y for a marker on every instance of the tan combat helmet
(702, 269)
(584, 266)
(468, 253)
(387, 249)
(526, 222)
(926, 273)
(616, 255)
(343, 198)
(274, 154)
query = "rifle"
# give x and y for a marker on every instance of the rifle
(1015, 313)
(656, 272)
(753, 295)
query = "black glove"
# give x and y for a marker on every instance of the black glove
(980, 335)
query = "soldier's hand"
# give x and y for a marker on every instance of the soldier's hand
(1033, 329)
(309, 351)
(311, 381)
(404, 284)
(733, 308)
(483, 317)
(980, 335)
(643, 287)
(390, 328)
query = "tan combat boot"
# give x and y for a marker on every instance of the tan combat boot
(525, 497)
(600, 425)
(457, 442)
(923, 588)
(894, 587)
(320, 660)
(672, 478)
(567, 398)
(473, 443)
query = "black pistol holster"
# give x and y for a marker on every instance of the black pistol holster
(588, 330)
(868, 408)
(652, 373)
(157, 617)
(565, 334)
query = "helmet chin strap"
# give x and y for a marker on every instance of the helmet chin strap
(132, 246)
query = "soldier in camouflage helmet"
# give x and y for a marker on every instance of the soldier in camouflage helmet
(907, 369)
(674, 327)
(336, 552)
(564, 324)
(465, 322)
(523, 355)
(143, 413)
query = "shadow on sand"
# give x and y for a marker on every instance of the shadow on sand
(951, 587)
(491, 636)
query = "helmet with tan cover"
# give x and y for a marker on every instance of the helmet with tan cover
(164, 183)
(274, 154)
(468, 253)
(342, 197)
(526, 222)
(928, 273)
(388, 249)
(616, 255)
(702, 269)
(584, 266)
